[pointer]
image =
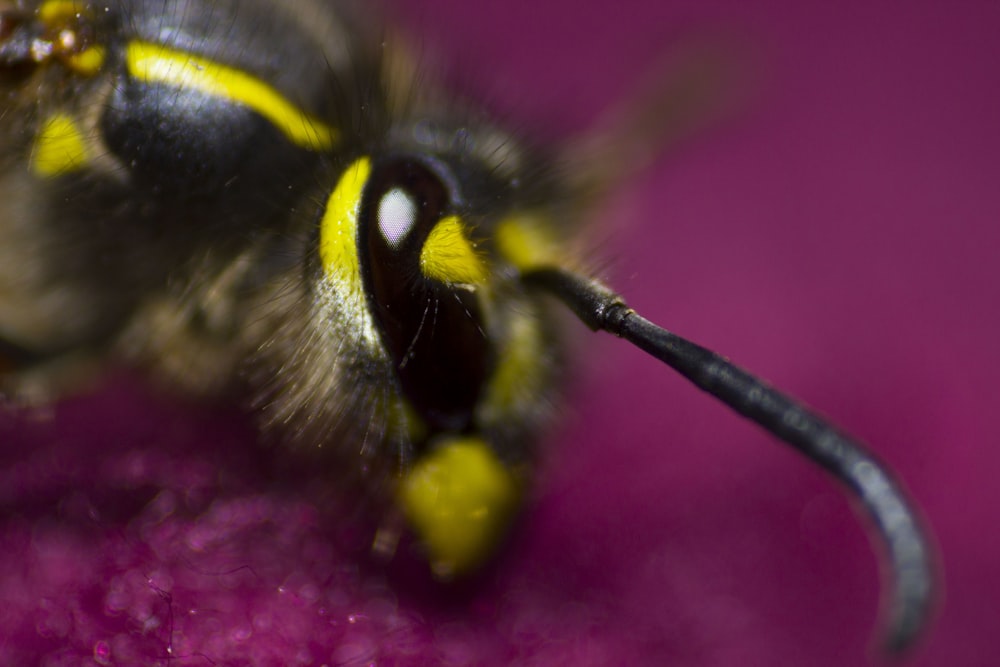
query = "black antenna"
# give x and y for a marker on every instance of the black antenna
(907, 603)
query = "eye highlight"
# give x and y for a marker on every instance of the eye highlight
(397, 215)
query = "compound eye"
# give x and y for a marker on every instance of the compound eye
(420, 269)
(405, 200)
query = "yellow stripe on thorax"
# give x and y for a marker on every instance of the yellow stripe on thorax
(154, 63)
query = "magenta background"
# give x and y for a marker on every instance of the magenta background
(838, 236)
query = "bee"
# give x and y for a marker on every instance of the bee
(266, 200)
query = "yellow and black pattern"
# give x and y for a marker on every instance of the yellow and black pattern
(260, 197)
(327, 233)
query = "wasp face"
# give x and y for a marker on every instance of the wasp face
(411, 320)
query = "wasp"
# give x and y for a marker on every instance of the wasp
(266, 200)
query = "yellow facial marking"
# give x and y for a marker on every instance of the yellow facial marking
(60, 147)
(154, 63)
(338, 251)
(448, 255)
(459, 499)
(517, 376)
(338, 241)
(523, 242)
